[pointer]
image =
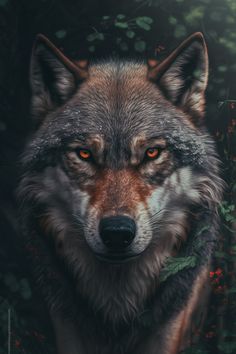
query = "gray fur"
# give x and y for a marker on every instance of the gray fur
(117, 106)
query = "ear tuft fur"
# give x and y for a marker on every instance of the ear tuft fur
(183, 76)
(54, 78)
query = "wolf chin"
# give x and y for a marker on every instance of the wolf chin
(119, 176)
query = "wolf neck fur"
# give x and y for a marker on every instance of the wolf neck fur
(119, 293)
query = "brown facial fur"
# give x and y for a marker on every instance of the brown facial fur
(118, 192)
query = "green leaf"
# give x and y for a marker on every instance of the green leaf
(140, 46)
(60, 34)
(230, 218)
(96, 35)
(180, 31)
(146, 27)
(121, 24)
(105, 17)
(120, 17)
(228, 44)
(202, 229)
(147, 19)
(130, 34)
(172, 20)
(142, 24)
(194, 16)
(100, 36)
(222, 68)
(91, 48)
(91, 37)
(174, 265)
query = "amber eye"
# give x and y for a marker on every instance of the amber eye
(152, 153)
(84, 154)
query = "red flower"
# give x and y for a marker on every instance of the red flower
(219, 272)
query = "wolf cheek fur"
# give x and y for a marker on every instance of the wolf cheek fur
(122, 140)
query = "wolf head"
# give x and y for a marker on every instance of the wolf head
(120, 162)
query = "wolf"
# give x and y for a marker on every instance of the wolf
(119, 177)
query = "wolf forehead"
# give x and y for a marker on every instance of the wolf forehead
(118, 103)
(117, 96)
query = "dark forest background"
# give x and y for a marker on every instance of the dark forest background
(96, 29)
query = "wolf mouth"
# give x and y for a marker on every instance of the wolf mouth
(116, 258)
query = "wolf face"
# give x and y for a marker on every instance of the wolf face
(120, 164)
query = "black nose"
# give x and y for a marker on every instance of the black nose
(117, 232)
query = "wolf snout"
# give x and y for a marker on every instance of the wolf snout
(117, 232)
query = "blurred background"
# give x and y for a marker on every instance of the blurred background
(97, 29)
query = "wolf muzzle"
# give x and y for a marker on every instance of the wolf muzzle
(117, 232)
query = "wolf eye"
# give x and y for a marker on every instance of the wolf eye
(84, 154)
(152, 153)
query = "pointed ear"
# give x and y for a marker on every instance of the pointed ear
(183, 76)
(54, 78)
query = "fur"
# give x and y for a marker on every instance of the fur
(117, 110)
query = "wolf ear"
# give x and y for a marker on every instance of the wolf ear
(54, 78)
(183, 76)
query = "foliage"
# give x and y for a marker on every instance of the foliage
(176, 264)
(127, 29)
